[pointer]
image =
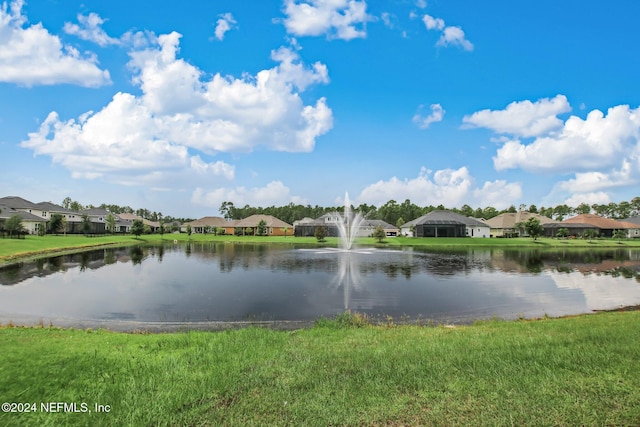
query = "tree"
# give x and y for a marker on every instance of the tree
(534, 228)
(320, 233)
(66, 203)
(379, 233)
(137, 228)
(583, 208)
(590, 233)
(161, 230)
(86, 224)
(561, 211)
(111, 223)
(563, 233)
(533, 209)
(189, 230)
(55, 223)
(400, 222)
(261, 229)
(14, 225)
(286, 231)
(619, 235)
(227, 210)
(75, 206)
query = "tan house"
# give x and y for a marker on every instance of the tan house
(128, 218)
(274, 226)
(605, 226)
(505, 225)
(204, 224)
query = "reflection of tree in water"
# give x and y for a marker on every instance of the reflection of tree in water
(137, 255)
(566, 261)
(626, 272)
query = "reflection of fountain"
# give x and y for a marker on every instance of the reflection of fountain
(349, 225)
(348, 276)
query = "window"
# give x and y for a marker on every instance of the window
(271, 231)
(44, 213)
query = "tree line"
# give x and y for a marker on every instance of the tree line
(397, 214)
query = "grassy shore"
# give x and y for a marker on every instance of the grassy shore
(574, 371)
(16, 249)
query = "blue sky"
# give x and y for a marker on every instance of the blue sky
(178, 107)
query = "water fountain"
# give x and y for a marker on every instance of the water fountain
(348, 226)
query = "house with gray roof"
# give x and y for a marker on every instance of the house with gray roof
(442, 223)
(30, 222)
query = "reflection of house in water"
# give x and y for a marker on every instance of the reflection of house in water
(92, 260)
(586, 262)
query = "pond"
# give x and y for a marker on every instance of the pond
(201, 284)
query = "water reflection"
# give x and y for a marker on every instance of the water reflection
(214, 281)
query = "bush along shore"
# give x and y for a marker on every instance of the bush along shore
(579, 370)
(34, 246)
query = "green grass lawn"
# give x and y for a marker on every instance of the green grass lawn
(12, 249)
(573, 371)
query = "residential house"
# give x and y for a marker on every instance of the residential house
(604, 226)
(274, 226)
(126, 221)
(368, 226)
(30, 222)
(306, 227)
(441, 223)
(45, 210)
(205, 223)
(634, 233)
(507, 224)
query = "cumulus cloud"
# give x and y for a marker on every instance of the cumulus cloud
(340, 19)
(224, 24)
(437, 114)
(449, 187)
(598, 142)
(600, 198)
(522, 118)
(179, 112)
(450, 36)
(90, 28)
(30, 55)
(499, 193)
(274, 193)
(601, 151)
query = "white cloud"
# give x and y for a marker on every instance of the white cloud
(433, 23)
(599, 198)
(449, 187)
(437, 114)
(454, 36)
(90, 29)
(341, 19)
(523, 118)
(498, 194)
(32, 56)
(422, 4)
(596, 143)
(451, 36)
(224, 24)
(179, 112)
(274, 193)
